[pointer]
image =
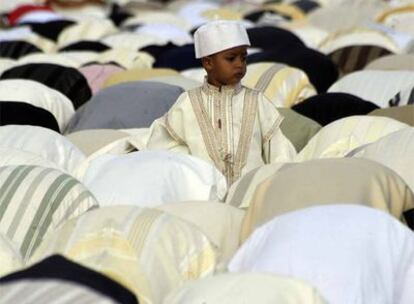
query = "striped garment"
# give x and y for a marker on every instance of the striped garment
(146, 250)
(50, 291)
(356, 57)
(341, 136)
(9, 256)
(284, 86)
(16, 49)
(35, 200)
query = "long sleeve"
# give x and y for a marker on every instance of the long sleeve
(276, 146)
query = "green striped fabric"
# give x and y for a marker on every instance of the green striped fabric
(35, 200)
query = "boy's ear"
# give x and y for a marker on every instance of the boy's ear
(207, 63)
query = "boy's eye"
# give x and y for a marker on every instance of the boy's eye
(230, 58)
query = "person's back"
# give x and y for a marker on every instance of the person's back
(223, 122)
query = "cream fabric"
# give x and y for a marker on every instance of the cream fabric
(258, 288)
(267, 143)
(375, 86)
(282, 85)
(86, 30)
(81, 57)
(311, 35)
(177, 80)
(392, 63)
(192, 11)
(196, 74)
(132, 40)
(158, 17)
(175, 177)
(16, 157)
(39, 95)
(343, 135)
(358, 36)
(146, 250)
(44, 143)
(6, 63)
(90, 141)
(220, 223)
(400, 18)
(10, 257)
(334, 18)
(328, 181)
(207, 41)
(394, 151)
(351, 254)
(126, 58)
(59, 59)
(166, 32)
(136, 75)
(241, 193)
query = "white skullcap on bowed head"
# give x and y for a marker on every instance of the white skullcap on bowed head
(217, 36)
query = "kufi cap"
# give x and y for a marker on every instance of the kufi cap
(217, 36)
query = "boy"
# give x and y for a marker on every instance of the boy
(223, 122)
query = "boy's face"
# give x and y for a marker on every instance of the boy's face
(227, 67)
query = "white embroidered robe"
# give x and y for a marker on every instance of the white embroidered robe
(235, 128)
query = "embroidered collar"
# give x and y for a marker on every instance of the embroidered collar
(228, 89)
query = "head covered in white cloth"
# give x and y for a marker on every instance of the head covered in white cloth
(219, 35)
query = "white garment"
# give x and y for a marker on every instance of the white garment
(351, 254)
(152, 178)
(39, 95)
(395, 151)
(375, 86)
(43, 142)
(234, 128)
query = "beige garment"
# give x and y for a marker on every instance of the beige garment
(6, 63)
(10, 257)
(136, 75)
(219, 222)
(146, 250)
(328, 181)
(284, 86)
(88, 29)
(395, 151)
(177, 80)
(311, 35)
(90, 141)
(236, 128)
(132, 41)
(392, 63)
(342, 136)
(399, 18)
(154, 17)
(334, 18)
(126, 58)
(404, 114)
(58, 58)
(242, 191)
(357, 36)
(232, 288)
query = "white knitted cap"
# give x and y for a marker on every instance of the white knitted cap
(217, 36)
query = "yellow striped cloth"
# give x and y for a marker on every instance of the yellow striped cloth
(146, 250)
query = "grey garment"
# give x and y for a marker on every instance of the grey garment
(124, 106)
(297, 128)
